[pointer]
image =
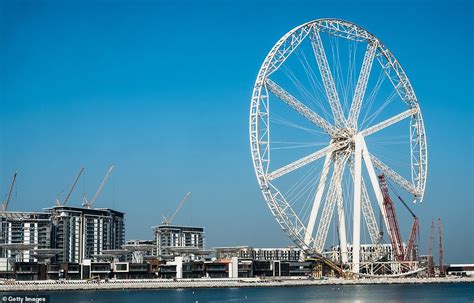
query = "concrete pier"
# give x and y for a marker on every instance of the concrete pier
(28, 286)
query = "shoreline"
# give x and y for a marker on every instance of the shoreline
(78, 285)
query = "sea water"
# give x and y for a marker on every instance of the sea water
(453, 292)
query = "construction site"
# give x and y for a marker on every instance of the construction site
(66, 242)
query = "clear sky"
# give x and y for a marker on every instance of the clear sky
(161, 89)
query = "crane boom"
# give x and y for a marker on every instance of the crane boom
(73, 186)
(89, 204)
(7, 200)
(410, 254)
(393, 228)
(165, 220)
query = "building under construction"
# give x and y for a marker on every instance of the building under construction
(170, 237)
(28, 229)
(80, 233)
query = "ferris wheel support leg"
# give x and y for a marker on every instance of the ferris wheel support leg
(373, 177)
(357, 206)
(317, 199)
(342, 225)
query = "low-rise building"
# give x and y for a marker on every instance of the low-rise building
(460, 270)
(247, 252)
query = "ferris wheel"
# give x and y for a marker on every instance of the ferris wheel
(331, 111)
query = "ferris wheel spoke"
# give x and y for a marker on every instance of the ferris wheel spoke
(384, 124)
(299, 107)
(317, 199)
(396, 177)
(361, 85)
(303, 161)
(328, 80)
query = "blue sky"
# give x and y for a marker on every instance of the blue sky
(162, 90)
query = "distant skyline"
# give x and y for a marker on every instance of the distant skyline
(161, 90)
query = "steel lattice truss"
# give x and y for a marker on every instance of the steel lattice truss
(346, 146)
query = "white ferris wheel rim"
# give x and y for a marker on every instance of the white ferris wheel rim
(259, 122)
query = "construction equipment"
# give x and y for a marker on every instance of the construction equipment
(319, 259)
(442, 270)
(410, 254)
(88, 204)
(430, 251)
(167, 221)
(393, 228)
(9, 195)
(58, 203)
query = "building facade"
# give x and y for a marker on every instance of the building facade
(168, 237)
(81, 233)
(28, 229)
(264, 254)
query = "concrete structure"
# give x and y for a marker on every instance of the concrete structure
(368, 252)
(460, 270)
(168, 237)
(251, 253)
(82, 233)
(24, 228)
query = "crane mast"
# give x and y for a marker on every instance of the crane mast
(430, 251)
(393, 228)
(442, 271)
(410, 253)
(430, 248)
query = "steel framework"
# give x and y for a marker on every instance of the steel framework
(346, 146)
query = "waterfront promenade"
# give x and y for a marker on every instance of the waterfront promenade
(16, 286)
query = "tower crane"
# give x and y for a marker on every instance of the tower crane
(167, 221)
(393, 228)
(415, 229)
(88, 204)
(430, 251)
(73, 186)
(442, 269)
(9, 195)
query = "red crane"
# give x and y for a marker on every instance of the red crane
(430, 251)
(410, 254)
(442, 272)
(393, 228)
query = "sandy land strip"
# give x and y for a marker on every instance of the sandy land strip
(28, 286)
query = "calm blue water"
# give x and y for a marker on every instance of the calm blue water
(346, 293)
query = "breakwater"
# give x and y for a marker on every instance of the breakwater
(16, 286)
